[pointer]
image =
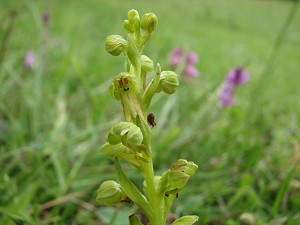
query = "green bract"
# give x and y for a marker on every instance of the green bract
(123, 152)
(132, 14)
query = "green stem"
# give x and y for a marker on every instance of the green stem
(156, 203)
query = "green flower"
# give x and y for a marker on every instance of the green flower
(125, 132)
(149, 22)
(115, 44)
(168, 82)
(124, 83)
(110, 193)
(185, 166)
(147, 63)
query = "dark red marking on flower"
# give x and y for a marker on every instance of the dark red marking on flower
(151, 120)
(126, 80)
(120, 81)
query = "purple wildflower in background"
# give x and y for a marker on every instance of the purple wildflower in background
(234, 78)
(29, 60)
(237, 76)
(188, 58)
(226, 98)
(191, 71)
(46, 18)
(192, 58)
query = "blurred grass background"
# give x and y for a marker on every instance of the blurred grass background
(54, 117)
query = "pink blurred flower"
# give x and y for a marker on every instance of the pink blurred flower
(237, 76)
(192, 57)
(234, 78)
(29, 59)
(226, 97)
(46, 18)
(191, 71)
(175, 57)
(188, 59)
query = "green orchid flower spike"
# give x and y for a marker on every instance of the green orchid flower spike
(130, 140)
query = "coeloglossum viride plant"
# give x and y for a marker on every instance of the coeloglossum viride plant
(130, 140)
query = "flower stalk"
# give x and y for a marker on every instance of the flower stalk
(130, 140)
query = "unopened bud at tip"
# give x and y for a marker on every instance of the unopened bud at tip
(149, 22)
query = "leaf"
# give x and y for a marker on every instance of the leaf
(282, 190)
(186, 220)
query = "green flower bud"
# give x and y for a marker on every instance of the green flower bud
(149, 22)
(127, 26)
(168, 82)
(115, 44)
(184, 166)
(137, 25)
(125, 132)
(110, 193)
(134, 135)
(113, 139)
(147, 63)
(120, 128)
(131, 14)
(186, 220)
(172, 181)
